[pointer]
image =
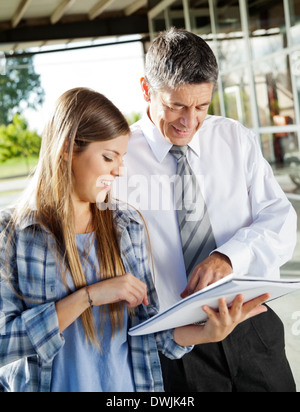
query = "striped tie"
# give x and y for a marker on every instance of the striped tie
(196, 232)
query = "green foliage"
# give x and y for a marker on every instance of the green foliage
(133, 118)
(16, 141)
(20, 88)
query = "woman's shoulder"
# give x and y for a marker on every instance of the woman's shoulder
(14, 223)
(125, 214)
(6, 216)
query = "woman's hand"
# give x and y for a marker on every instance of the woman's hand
(125, 288)
(220, 324)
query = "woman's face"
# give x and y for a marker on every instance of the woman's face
(95, 169)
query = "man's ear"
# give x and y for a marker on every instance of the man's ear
(145, 89)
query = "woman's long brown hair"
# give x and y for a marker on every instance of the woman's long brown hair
(81, 116)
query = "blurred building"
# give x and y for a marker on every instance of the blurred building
(257, 43)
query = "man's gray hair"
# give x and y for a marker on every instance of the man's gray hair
(178, 57)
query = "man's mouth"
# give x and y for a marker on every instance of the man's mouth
(186, 132)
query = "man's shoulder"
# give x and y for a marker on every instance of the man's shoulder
(220, 121)
(140, 138)
(227, 128)
(137, 129)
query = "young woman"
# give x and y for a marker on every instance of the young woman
(75, 277)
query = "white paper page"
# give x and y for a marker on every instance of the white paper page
(189, 310)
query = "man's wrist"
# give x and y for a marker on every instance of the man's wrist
(224, 258)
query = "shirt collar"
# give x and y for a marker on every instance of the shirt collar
(27, 221)
(123, 214)
(158, 144)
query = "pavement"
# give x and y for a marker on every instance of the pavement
(287, 308)
(11, 189)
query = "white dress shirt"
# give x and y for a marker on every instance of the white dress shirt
(253, 222)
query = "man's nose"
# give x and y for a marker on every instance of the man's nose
(189, 119)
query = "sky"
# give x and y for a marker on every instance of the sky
(114, 71)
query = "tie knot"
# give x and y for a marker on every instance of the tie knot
(178, 151)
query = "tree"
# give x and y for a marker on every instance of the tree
(133, 118)
(16, 141)
(20, 88)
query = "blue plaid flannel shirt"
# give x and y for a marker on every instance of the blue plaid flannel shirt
(29, 330)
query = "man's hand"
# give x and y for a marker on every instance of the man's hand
(214, 268)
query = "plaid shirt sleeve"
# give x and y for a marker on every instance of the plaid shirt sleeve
(144, 349)
(26, 328)
(164, 340)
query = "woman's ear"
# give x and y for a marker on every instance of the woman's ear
(145, 89)
(65, 156)
(65, 152)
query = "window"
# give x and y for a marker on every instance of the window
(295, 21)
(237, 97)
(267, 27)
(275, 97)
(230, 36)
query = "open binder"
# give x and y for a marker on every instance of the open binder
(189, 311)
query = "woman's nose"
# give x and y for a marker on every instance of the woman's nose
(119, 171)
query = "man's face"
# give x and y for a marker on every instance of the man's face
(179, 114)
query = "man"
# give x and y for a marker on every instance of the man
(212, 207)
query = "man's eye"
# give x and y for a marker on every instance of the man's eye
(202, 108)
(176, 109)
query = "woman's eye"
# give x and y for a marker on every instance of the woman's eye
(107, 159)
